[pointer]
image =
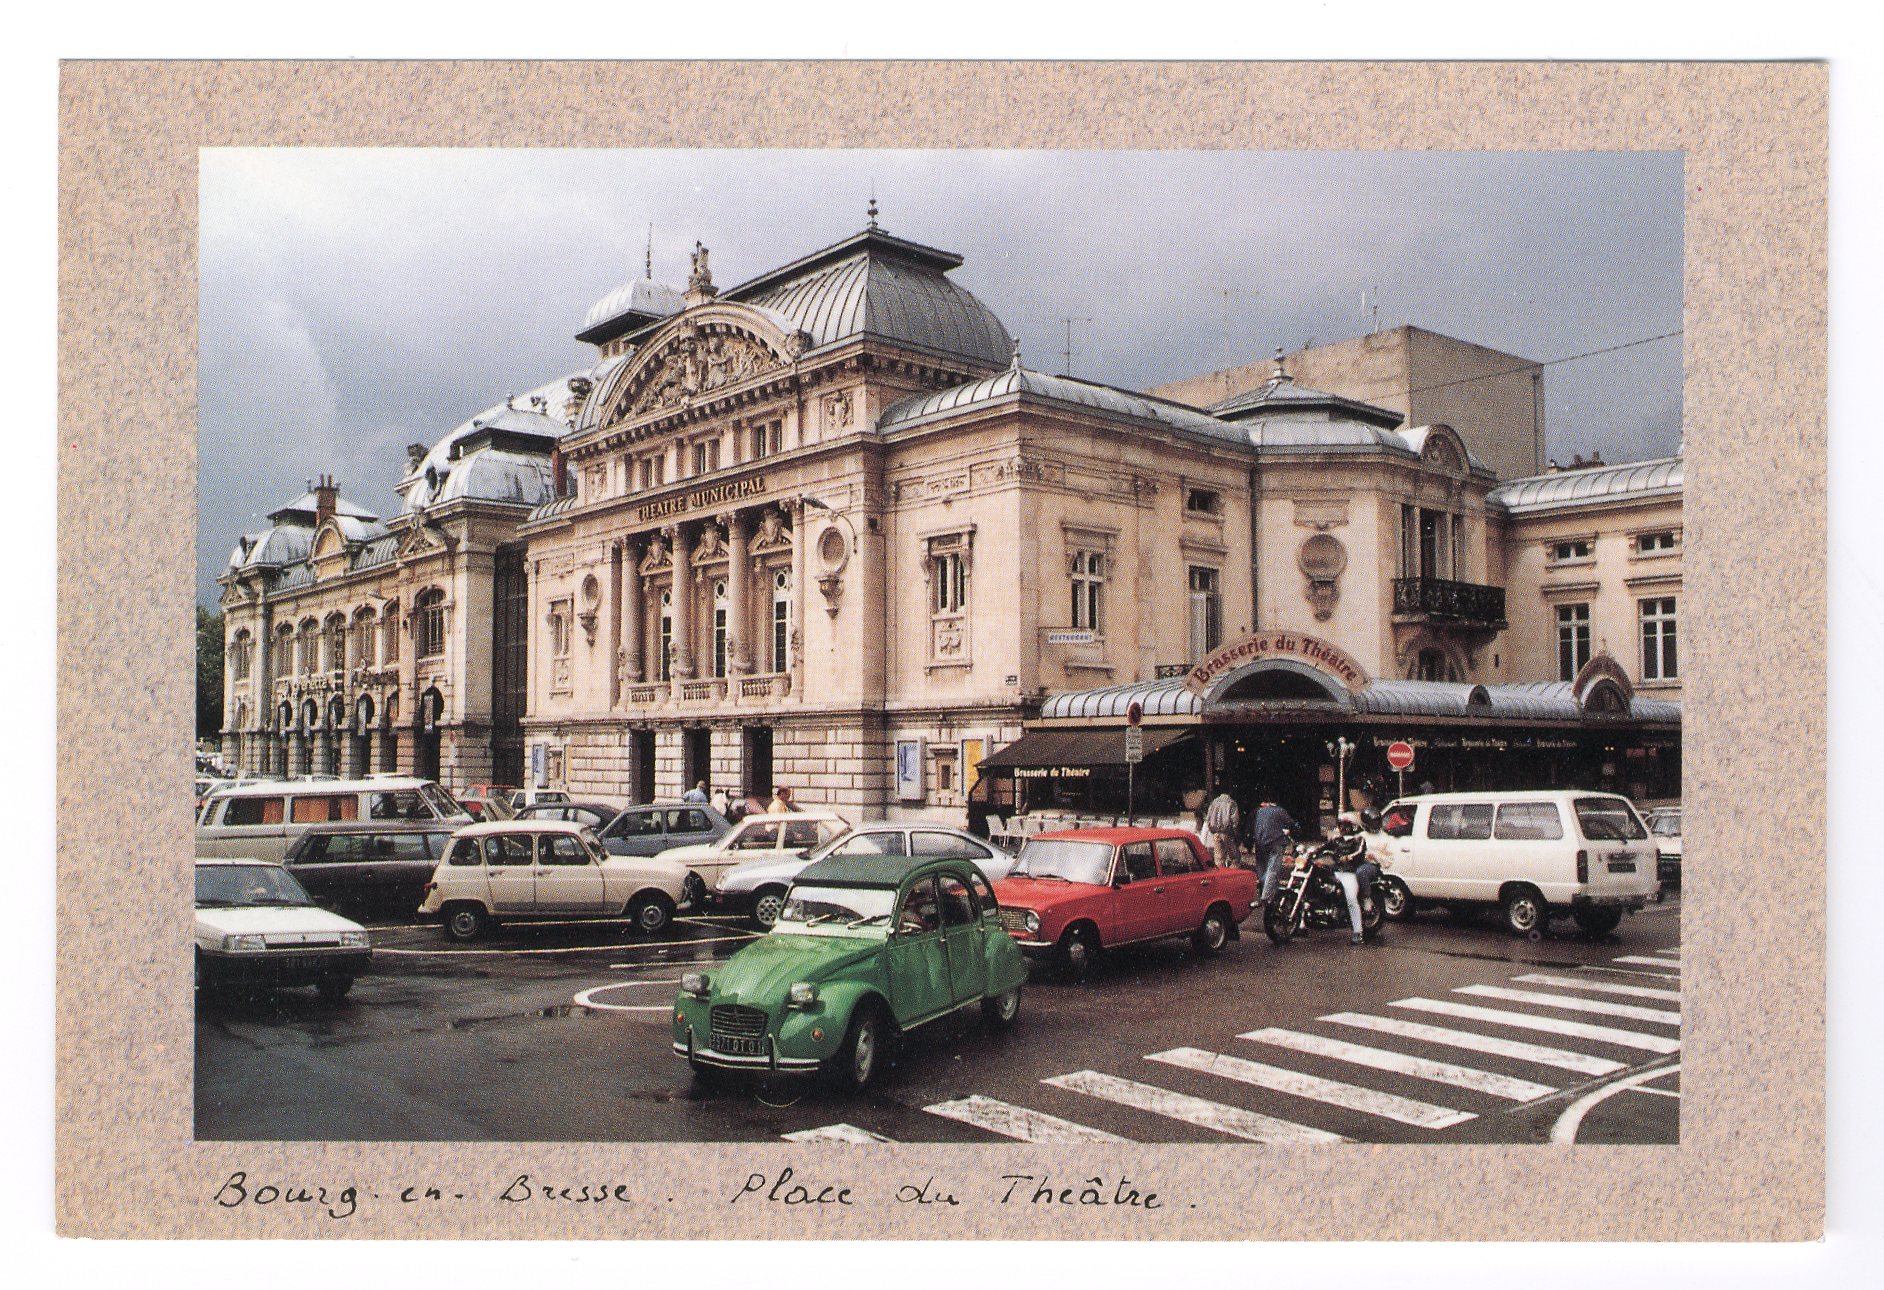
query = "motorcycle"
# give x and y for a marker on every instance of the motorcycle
(1308, 897)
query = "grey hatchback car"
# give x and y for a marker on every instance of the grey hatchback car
(651, 829)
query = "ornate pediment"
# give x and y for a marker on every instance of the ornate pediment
(658, 557)
(697, 358)
(773, 534)
(416, 542)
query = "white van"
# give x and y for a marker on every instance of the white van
(1533, 855)
(260, 819)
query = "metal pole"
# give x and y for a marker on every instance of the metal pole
(1131, 784)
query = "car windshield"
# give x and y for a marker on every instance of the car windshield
(836, 911)
(1608, 819)
(1059, 858)
(441, 801)
(1665, 826)
(228, 886)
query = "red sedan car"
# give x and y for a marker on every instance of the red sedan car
(1076, 892)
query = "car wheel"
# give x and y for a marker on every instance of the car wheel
(650, 912)
(466, 922)
(1076, 953)
(334, 988)
(1001, 1009)
(1396, 902)
(1211, 934)
(861, 1057)
(1524, 912)
(767, 904)
(1598, 921)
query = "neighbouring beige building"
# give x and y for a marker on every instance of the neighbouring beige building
(825, 529)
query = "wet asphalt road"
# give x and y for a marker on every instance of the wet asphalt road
(561, 1033)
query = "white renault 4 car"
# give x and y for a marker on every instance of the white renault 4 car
(257, 927)
(792, 835)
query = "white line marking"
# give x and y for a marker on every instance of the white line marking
(1653, 976)
(835, 1133)
(1563, 1059)
(1233, 1120)
(1387, 1106)
(586, 999)
(1018, 1121)
(614, 947)
(1643, 958)
(1659, 1092)
(1528, 1021)
(1383, 1059)
(1564, 1132)
(1658, 1016)
(1673, 954)
(1601, 987)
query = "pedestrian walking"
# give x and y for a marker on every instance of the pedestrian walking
(1223, 825)
(781, 803)
(1269, 832)
(697, 794)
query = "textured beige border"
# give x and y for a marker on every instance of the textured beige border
(1751, 1159)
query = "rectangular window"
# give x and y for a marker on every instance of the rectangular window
(559, 629)
(653, 471)
(1203, 501)
(1573, 640)
(1572, 549)
(781, 620)
(1652, 543)
(1206, 611)
(951, 583)
(1460, 821)
(389, 645)
(1088, 572)
(706, 456)
(432, 629)
(1409, 542)
(1659, 660)
(719, 637)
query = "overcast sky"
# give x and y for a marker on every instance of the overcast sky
(355, 301)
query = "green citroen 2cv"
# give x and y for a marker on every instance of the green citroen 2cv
(867, 947)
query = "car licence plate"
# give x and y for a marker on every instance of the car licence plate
(1622, 864)
(734, 1046)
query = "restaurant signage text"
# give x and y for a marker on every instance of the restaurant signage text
(701, 498)
(1293, 646)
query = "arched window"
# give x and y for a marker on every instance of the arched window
(310, 646)
(239, 654)
(781, 620)
(430, 623)
(284, 650)
(365, 638)
(389, 634)
(719, 627)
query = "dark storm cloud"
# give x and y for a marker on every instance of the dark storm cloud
(357, 301)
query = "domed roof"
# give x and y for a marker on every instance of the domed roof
(510, 430)
(631, 305)
(1020, 383)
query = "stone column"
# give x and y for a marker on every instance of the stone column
(614, 623)
(681, 543)
(797, 640)
(738, 596)
(633, 612)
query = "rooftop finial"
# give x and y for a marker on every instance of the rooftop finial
(871, 209)
(1017, 362)
(700, 282)
(647, 259)
(1281, 373)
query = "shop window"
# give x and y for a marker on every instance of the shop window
(1206, 611)
(1573, 640)
(1655, 543)
(1659, 660)
(1088, 572)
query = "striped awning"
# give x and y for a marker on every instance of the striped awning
(1084, 748)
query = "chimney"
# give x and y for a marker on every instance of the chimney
(326, 495)
(556, 471)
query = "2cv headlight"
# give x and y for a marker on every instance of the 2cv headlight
(802, 994)
(695, 984)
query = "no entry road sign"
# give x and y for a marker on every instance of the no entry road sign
(1400, 755)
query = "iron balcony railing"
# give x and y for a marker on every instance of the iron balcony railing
(1465, 602)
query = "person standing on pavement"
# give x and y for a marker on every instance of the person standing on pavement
(1223, 820)
(781, 803)
(697, 794)
(1269, 830)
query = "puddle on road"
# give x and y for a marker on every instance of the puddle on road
(553, 1010)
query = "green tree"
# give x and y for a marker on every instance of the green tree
(208, 672)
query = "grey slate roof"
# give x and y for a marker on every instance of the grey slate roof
(1281, 396)
(1024, 384)
(1661, 477)
(307, 504)
(380, 550)
(444, 474)
(643, 296)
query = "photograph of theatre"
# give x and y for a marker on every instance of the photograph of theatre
(824, 523)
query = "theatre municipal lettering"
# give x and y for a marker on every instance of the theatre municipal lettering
(829, 529)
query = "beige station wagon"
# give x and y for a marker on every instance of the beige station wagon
(531, 870)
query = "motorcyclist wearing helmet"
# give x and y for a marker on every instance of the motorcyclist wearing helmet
(1350, 847)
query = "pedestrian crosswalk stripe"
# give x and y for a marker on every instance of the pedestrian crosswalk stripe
(835, 1133)
(1383, 1059)
(1561, 1058)
(1643, 958)
(1369, 1101)
(1659, 1016)
(1018, 1121)
(1231, 1120)
(1673, 954)
(1673, 977)
(1530, 1021)
(1600, 987)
